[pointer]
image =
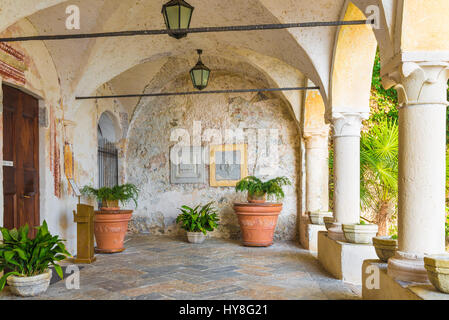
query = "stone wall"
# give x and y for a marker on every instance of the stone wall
(148, 152)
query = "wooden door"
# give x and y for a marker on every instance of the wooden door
(21, 159)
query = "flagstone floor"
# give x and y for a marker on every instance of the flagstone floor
(160, 267)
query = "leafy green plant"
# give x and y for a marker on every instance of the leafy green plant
(379, 170)
(198, 219)
(255, 187)
(123, 193)
(30, 257)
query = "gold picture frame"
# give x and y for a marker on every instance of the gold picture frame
(225, 174)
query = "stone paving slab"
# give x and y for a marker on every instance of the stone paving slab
(166, 268)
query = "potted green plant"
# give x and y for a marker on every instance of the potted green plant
(198, 221)
(259, 190)
(110, 197)
(26, 261)
(111, 223)
(361, 233)
(258, 218)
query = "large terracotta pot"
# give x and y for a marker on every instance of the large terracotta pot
(110, 229)
(257, 222)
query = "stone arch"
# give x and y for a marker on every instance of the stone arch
(110, 127)
(163, 71)
(149, 144)
(352, 67)
(41, 81)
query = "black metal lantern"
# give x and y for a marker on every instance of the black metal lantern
(200, 73)
(177, 15)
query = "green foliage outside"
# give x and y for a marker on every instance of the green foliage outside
(255, 187)
(123, 193)
(198, 219)
(30, 257)
(379, 164)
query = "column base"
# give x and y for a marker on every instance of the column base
(342, 259)
(407, 267)
(336, 232)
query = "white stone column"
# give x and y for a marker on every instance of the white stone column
(422, 142)
(317, 171)
(346, 137)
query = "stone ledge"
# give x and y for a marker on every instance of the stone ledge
(312, 236)
(390, 289)
(342, 259)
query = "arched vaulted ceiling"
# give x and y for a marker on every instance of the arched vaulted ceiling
(84, 65)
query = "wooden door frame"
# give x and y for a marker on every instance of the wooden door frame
(41, 150)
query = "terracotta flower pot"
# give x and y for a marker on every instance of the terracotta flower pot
(257, 222)
(110, 229)
(255, 198)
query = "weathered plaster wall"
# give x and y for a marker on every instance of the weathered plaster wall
(149, 144)
(424, 26)
(42, 82)
(352, 67)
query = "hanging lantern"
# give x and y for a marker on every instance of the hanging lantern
(177, 15)
(200, 73)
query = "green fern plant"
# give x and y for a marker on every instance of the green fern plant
(27, 257)
(198, 219)
(123, 193)
(257, 188)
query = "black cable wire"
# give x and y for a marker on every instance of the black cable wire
(165, 94)
(190, 30)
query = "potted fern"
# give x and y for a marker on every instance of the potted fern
(26, 261)
(111, 223)
(110, 197)
(258, 190)
(198, 221)
(257, 218)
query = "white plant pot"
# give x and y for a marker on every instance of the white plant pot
(29, 286)
(196, 237)
(437, 267)
(386, 247)
(360, 233)
(318, 217)
(328, 221)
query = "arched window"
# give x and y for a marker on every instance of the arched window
(107, 152)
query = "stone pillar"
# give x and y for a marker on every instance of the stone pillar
(422, 141)
(346, 135)
(317, 171)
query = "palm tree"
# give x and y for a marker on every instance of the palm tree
(379, 170)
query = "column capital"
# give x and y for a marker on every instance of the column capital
(316, 139)
(418, 83)
(347, 124)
